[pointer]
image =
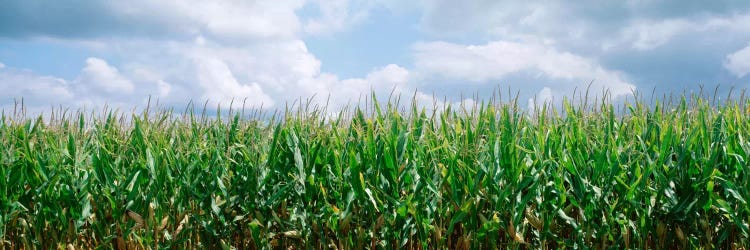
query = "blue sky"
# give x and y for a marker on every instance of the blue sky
(85, 53)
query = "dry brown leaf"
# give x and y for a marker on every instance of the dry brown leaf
(181, 225)
(139, 222)
(163, 224)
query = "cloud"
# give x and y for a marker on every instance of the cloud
(240, 19)
(538, 21)
(183, 50)
(164, 88)
(100, 75)
(738, 63)
(97, 84)
(499, 59)
(2, 65)
(150, 81)
(201, 69)
(220, 85)
(544, 97)
(228, 50)
(171, 20)
(389, 76)
(228, 20)
(587, 26)
(328, 88)
(649, 34)
(664, 45)
(336, 15)
(474, 63)
(38, 92)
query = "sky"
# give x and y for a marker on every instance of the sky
(267, 54)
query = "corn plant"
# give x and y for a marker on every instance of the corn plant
(383, 175)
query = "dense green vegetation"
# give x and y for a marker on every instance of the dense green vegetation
(382, 176)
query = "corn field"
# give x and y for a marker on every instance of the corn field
(672, 174)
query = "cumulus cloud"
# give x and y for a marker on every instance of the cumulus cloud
(97, 84)
(498, 59)
(151, 81)
(33, 88)
(592, 27)
(336, 15)
(164, 88)
(265, 74)
(389, 76)
(231, 50)
(220, 85)
(544, 97)
(328, 88)
(666, 45)
(182, 50)
(228, 20)
(649, 35)
(739, 62)
(474, 63)
(643, 34)
(100, 75)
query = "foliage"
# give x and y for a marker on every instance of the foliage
(486, 176)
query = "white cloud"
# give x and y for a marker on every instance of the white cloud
(220, 86)
(276, 68)
(100, 75)
(389, 76)
(247, 19)
(547, 21)
(227, 20)
(649, 35)
(2, 65)
(97, 84)
(381, 81)
(474, 63)
(224, 20)
(151, 81)
(544, 97)
(739, 62)
(230, 49)
(499, 59)
(164, 88)
(588, 26)
(334, 16)
(240, 21)
(37, 91)
(271, 73)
